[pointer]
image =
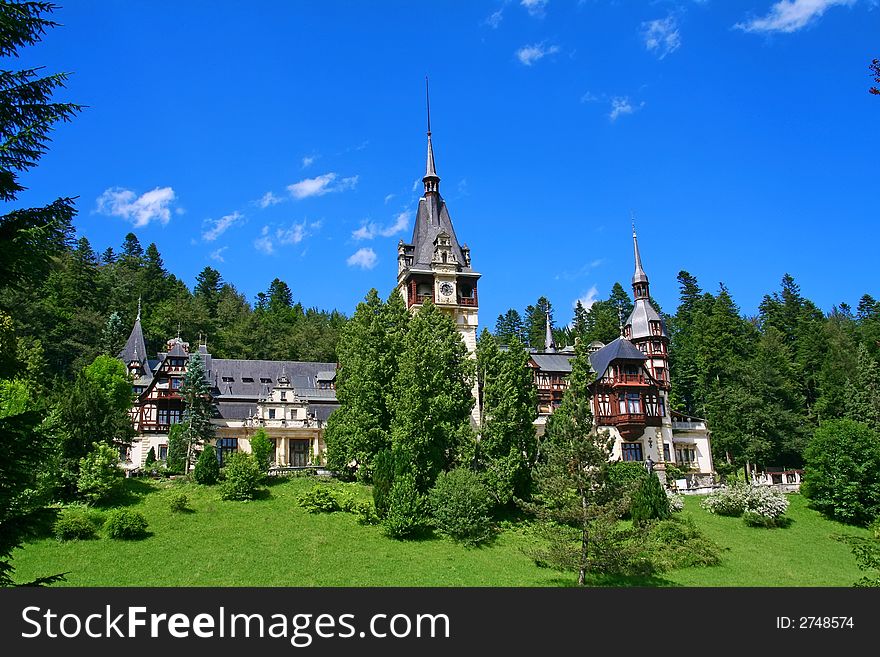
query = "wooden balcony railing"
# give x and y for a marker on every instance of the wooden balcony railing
(467, 301)
(630, 379)
(620, 419)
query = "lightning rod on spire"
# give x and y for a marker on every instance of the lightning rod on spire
(428, 104)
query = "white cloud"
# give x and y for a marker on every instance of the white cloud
(218, 254)
(535, 7)
(320, 185)
(215, 228)
(269, 199)
(494, 19)
(388, 198)
(661, 36)
(589, 97)
(364, 258)
(308, 160)
(270, 238)
(370, 230)
(264, 242)
(622, 105)
(528, 55)
(790, 15)
(588, 299)
(139, 210)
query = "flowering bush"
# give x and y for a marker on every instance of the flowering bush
(760, 506)
(730, 501)
(676, 501)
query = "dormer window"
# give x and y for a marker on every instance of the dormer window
(247, 379)
(265, 380)
(283, 396)
(228, 379)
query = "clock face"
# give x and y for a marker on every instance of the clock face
(446, 289)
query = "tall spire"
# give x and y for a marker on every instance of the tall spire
(139, 310)
(640, 278)
(549, 343)
(431, 179)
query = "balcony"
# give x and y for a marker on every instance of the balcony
(688, 426)
(167, 394)
(467, 301)
(625, 419)
(630, 380)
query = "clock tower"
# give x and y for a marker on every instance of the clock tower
(436, 266)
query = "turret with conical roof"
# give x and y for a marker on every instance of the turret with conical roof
(644, 327)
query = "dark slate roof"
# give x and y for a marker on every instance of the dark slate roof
(323, 411)
(432, 218)
(236, 410)
(303, 377)
(327, 375)
(642, 313)
(135, 349)
(552, 362)
(619, 349)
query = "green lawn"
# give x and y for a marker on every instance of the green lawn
(273, 542)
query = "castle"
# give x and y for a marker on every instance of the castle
(292, 400)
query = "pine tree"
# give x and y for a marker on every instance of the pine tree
(207, 470)
(432, 398)
(509, 326)
(863, 391)
(198, 407)
(683, 367)
(368, 353)
(649, 501)
(507, 446)
(535, 324)
(574, 496)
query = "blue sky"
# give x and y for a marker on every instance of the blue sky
(288, 139)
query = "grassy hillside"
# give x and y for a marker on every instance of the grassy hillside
(273, 542)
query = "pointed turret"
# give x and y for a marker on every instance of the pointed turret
(640, 278)
(134, 353)
(549, 342)
(431, 179)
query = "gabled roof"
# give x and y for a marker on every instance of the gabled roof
(619, 349)
(552, 362)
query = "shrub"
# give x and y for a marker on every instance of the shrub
(75, 525)
(383, 479)
(760, 506)
(676, 501)
(729, 501)
(842, 471)
(677, 543)
(625, 476)
(178, 502)
(126, 525)
(99, 474)
(365, 512)
(649, 501)
(406, 515)
(319, 500)
(767, 504)
(243, 477)
(460, 506)
(207, 470)
(151, 458)
(261, 448)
